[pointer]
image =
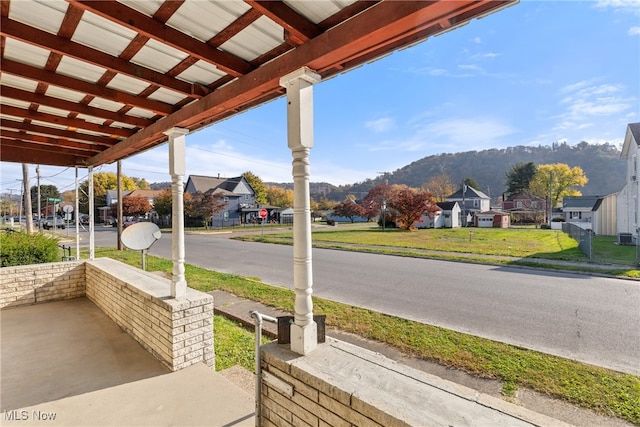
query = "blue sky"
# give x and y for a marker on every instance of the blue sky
(531, 74)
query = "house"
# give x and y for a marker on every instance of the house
(112, 196)
(236, 193)
(492, 219)
(628, 202)
(150, 195)
(470, 201)
(525, 208)
(596, 213)
(447, 216)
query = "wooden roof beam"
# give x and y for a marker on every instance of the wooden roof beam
(149, 27)
(62, 104)
(36, 37)
(65, 121)
(68, 134)
(298, 28)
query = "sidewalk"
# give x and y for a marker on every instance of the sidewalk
(239, 309)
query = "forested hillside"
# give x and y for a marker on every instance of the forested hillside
(601, 163)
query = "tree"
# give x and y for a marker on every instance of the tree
(519, 177)
(441, 186)
(557, 181)
(349, 209)
(410, 204)
(277, 196)
(141, 184)
(102, 181)
(134, 205)
(375, 199)
(258, 187)
(162, 203)
(46, 191)
(472, 183)
(203, 206)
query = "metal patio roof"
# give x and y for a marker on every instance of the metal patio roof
(85, 83)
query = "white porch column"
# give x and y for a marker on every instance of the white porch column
(92, 243)
(299, 86)
(177, 170)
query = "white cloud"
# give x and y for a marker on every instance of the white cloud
(380, 125)
(476, 40)
(631, 6)
(585, 101)
(634, 31)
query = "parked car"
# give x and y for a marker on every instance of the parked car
(49, 222)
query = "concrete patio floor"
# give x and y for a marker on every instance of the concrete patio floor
(68, 360)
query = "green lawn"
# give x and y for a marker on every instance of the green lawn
(604, 391)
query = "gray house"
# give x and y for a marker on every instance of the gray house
(596, 213)
(471, 201)
(236, 193)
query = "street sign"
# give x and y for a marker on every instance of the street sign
(263, 213)
(68, 208)
(54, 200)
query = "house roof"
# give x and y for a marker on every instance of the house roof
(221, 186)
(492, 212)
(86, 83)
(148, 194)
(447, 206)
(470, 193)
(203, 183)
(580, 202)
(631, 137)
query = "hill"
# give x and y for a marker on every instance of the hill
(601, 163)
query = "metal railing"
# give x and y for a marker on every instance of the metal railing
(259, 319)
(580, 235)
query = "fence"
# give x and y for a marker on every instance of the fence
(583, 237)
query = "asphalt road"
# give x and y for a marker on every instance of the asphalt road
(592, 319)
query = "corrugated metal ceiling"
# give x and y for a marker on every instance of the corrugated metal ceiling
(88, 82)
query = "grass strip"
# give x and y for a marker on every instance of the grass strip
(604, 391)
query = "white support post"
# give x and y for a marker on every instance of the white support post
(299, 86)
(77, 216)
(92, 219)
(177, 169)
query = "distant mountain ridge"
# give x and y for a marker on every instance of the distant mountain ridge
(601, 163)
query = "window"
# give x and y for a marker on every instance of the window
(246, 197)
(519, 204)
(475, 203)
(226, 199)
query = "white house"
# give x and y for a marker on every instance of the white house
(628, 202)
(447, 216)
(471, 201)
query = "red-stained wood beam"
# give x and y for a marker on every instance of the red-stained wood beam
(17, 152)
(64, 121)
(149, 27)
(62, 104)
(234, 28)
(52, 78)
(52, 141)
(36, 37)
(379, 26)
(101, 141)
(299, 29)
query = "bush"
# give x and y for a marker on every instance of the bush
(18, 248)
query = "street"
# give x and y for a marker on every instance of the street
(592, 319)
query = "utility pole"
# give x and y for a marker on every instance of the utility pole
(39, 200)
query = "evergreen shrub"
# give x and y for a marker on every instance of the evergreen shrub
(19, 248)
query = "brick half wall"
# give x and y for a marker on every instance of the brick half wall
(178, 331)
(39, 283)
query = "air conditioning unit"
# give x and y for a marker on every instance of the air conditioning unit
(625, 239)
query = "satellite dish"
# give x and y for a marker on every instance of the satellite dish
(140, 237)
